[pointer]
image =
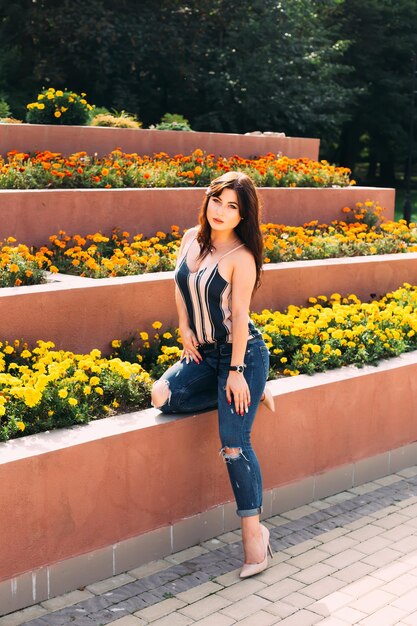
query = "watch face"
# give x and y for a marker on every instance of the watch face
(239, 369)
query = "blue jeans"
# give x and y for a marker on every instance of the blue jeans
(198, 387)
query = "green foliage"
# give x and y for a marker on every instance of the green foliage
(4, 109)
(59, 107)
(173, 121)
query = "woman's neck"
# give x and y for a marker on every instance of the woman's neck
(223, 239)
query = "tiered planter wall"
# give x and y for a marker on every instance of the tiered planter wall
(80, 313)
(92, 501)
(32, 216)
(69, 139)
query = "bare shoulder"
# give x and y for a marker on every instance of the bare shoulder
(190, 233)
(243, 257)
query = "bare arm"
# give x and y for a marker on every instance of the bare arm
(243, 281)
(189, 340)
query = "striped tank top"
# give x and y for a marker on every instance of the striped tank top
(208, 299)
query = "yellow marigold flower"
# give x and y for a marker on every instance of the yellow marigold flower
(99, 390)
(94, 380)
(116, 343)
(59, 93)
(21, 426)
(57, 113)
(13, 268)
(41, 105)
(63, 393)
(105, 171)
(72, 401)
(2, 410)
(87, 390)
(26, 354)
(8, 350)
(284, 359)
(145, 336)
(53, 269)
(167, 335)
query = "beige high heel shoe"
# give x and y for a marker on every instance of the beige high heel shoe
(249, 569)
(268, 399)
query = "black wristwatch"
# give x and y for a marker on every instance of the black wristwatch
(237, 368)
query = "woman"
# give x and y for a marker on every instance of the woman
(225, 361)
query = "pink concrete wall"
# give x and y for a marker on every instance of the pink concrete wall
(32, 216)
(69, 139)
(79, 499)
(80, 314)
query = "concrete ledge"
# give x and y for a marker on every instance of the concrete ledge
(83, 516)
(73, 312)
(100, 140)
(32, 216)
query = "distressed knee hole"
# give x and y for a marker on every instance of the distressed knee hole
(161, 393)
(231, 454)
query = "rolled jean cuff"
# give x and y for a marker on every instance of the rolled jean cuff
(249, 512)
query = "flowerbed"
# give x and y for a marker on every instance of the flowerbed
(46, 169)
(43, 388)
(99, 256)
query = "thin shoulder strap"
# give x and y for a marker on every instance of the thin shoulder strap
(188, 247)
(230, 251)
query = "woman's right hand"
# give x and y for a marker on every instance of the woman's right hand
(190, 346)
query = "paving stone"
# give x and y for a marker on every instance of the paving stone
(366, 532)
(281, 609)
(212, 544)
(391, 521)
(298, 599)
(332, 621)
(186, 555)
(362, 586)
(407, 602)
(204, 607)
(354, 572)
(373, 601)
(301, 618)
(109, 583)
(175, 619)
(382, 557)
(410, 620)
(279, 590)
(327, 605)
(349, 615)
(242, 590)
(160, 609)
(399, 532)
(313, 573)
(260, 618)
(343, 559)
(323, 587)
(243, 608)
(107, 615)
(230, 578)
(300, 511)
(316, 555)
(338, 545)
(60, 602)
(129, 620)
(302, 547)
(199, 592)
(388, 616)
(401, 585)
(276, 573)
(393, 570)
(150, 568)
(20, 617)
(216, 619)
(331, 534)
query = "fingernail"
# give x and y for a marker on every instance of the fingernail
(247, 410)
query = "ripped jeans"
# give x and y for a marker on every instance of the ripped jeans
(199, 387)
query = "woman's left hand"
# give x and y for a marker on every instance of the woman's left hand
(237, 387)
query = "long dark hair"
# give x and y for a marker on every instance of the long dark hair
(248, 230)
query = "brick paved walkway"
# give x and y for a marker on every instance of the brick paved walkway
(348, 559)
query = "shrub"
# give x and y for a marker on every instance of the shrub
(173, 121)
(59, 107)
(9, 120)
(122, 120)
(4, 109)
